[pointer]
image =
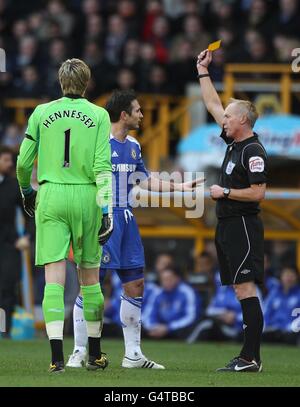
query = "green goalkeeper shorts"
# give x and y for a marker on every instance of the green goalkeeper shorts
(67, 214)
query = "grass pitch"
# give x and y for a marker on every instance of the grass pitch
(26, 364)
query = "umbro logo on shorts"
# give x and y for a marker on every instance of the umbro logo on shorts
(115, 154)
(246, 271)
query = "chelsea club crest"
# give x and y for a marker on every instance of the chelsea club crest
(106, 258)
(133, 153)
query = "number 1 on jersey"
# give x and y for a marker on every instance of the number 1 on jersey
(67, 148)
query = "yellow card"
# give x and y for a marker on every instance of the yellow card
(214, 45)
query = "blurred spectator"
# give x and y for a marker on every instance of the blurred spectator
(5, 17)
(258, 17)
(10, 243)
(20, 29)
(153, 10)
(5, 86)
(51, 29)
(229, 41)
(221, 12)
(28, 53)
(284, 46)
(13, 137)
(94, 30)
(28, 85)
(57, 54)
(103, 73)
(147, 61)
(174, 8)
(271, 277)
(35, 24)
(257, 47)
(203, 276)
(223, 317)
(127, 9)
(282, 309)
(194, 33)
(160, 38)
(163, 261)
(182, 70)
(158, 82)
(287, 19)
(125, 79)
(115, 38)
(175, 310)
(283, 253)
(131, 55)
(56, 11)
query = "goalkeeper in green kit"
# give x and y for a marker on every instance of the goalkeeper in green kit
(70, 137)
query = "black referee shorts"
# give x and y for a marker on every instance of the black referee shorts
(240, 248)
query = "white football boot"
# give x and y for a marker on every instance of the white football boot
(141, 363)
(77, 359)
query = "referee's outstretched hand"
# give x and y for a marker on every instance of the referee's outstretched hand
(106, 229)
(29, 202)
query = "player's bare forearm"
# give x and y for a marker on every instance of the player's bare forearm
(255, 193)
(159, 185)
(210, 96)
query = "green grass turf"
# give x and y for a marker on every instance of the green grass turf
(26, 363)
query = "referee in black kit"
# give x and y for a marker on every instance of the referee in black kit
(239, 235)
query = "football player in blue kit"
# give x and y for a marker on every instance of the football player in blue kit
(124, 251)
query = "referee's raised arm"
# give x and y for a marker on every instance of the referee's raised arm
(209, 94)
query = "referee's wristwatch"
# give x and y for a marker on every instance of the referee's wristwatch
(226, 192)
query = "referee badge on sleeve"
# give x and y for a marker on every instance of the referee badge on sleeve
(230, 167)
(256, 164)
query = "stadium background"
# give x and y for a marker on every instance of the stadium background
(151, 46)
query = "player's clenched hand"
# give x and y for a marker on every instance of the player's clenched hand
(216, 192)
(106, 229)
(204, 59)
(29, 202)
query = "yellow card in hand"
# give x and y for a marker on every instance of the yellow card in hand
(214, 45)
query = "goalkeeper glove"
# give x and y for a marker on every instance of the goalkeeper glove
(106, 229)
(28, 198)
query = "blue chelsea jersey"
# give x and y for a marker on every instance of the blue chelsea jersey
(127, 167)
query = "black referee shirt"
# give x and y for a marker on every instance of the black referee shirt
(245, 163)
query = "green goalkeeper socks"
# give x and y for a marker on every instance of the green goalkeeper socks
(54, 310)
(93, 302)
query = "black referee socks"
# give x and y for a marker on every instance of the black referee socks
(253, 327)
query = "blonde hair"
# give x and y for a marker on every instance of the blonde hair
(247, 108)
(74, 76)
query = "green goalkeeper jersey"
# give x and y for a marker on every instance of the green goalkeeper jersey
(70, 136)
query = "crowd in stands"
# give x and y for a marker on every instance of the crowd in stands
(144, 44)
(148, 45)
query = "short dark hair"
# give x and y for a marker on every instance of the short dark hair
(120, 101)
(174, 270)
(5, 150)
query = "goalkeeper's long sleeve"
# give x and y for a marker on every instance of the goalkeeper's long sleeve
(102, 166)
(28, 153)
